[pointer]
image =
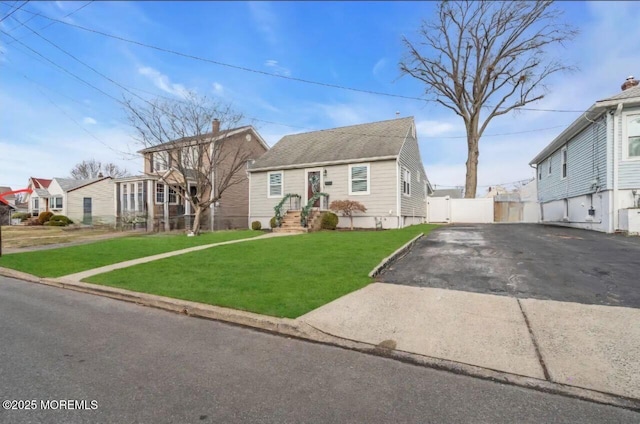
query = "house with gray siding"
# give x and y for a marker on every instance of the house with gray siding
(377, 164)
(589, 175)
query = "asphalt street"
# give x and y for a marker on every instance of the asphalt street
(525, 261)
(149, 366)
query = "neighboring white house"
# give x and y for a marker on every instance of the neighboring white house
(377, 164)
(589, 176)
(84, 201)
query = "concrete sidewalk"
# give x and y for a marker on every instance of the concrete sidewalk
(79, 276)
(588, 346)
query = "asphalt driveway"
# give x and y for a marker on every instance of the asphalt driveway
(525, 261)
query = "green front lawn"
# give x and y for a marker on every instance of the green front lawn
(283, 277)
(69, 260)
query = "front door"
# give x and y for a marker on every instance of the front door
(86, 209)
(313, 186)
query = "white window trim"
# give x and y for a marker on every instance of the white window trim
(360, 193)
(164, 163)
(549, 166)
(564, 163)
(269, 195)
(405, 172)
(52, 203)
(167, 187)
(625, 135)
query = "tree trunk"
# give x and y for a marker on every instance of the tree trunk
(195, 228)
(351, 220)
(471, 181)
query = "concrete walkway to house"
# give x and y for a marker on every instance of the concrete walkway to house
(590, 346)
(79, 276)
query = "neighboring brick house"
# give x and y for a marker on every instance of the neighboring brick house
(155, 198)
(377, 164)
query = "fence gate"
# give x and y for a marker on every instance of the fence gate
(438, 209)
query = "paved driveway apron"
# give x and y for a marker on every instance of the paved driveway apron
(526, 261)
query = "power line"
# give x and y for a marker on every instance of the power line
(62, 68)
(246, 69)
(228, 65)
(11, 12)
(50, 23)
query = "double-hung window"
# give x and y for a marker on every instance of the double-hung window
(359, 179)
(160, 161)
(406, 182)
(56, 202)
(563, 153)
(275, 181)
(549, 166)
(159, 193)
(125, 197)
(632, 139)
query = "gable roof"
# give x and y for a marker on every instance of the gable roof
(628, 97)
(454, 193)
(69, 184)
(203, 138)
(374, 140)
(40, 182)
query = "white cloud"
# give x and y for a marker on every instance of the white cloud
(163, 82)
(89, 120)
(277, 68)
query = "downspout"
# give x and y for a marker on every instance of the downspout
(616, 139)
(398, 192)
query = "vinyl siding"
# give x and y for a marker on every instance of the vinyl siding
(416, 203)
(102, 203)
(379, 202)
(628, 170)
(586, 162)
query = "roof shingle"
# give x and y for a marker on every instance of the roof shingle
(364, 141)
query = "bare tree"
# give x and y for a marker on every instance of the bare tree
(204, 161)
(483, 59)
(93, 169)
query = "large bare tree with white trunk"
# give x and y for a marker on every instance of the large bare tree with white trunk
(483, 59)
(201, 159)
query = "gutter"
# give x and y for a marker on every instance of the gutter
(325, 163)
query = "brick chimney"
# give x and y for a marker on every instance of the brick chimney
(215, 126)
(630, 82)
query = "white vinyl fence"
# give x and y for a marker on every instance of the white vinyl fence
(445, 209)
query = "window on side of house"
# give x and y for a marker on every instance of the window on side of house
(189, 157)
(549, 166)
(125, 198)
(132, 197)
(36, 206)
(160, 161)
(159, 193)
(564, 162)
(140, 196)
(173, 196)
(633, 137)
(55, 202)
(406, 182)
(275, 181)
(359, 179)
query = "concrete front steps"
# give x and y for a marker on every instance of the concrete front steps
(291, 222)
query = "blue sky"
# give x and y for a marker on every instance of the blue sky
(49, 120)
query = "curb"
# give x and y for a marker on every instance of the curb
(386, 262)
(301, 330)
